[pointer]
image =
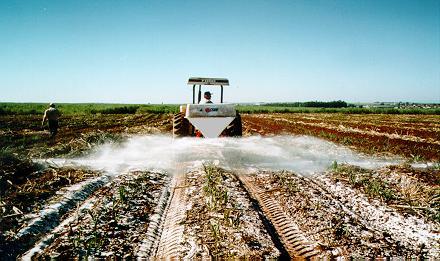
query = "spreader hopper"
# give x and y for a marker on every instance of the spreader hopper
(210, 119)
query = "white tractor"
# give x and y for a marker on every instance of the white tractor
(209, 120)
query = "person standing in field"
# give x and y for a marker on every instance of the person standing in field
(51, 115)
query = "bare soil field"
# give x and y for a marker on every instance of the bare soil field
(25, 135)
(412, 136)
(207, 210)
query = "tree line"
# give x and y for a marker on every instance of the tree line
(312, 104)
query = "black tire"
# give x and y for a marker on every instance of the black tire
(234, 129)
(181, 125)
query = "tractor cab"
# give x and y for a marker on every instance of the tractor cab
(208, 120)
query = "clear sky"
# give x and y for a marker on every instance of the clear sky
(144, 51)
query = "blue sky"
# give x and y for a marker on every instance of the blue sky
(144, 51)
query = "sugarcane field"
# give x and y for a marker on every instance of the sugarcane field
(220, 130)
(313, 185)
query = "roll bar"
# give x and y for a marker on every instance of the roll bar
(206, 81)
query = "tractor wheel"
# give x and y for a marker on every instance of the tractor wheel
(235, 129)
(181, 125)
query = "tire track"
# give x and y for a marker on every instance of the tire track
(173, 228)
(165, 232)
(293, 239)
(149, 244)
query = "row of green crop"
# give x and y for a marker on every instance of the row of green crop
(101, 108)
(311, 104)
(86, 108)
(348, 110)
